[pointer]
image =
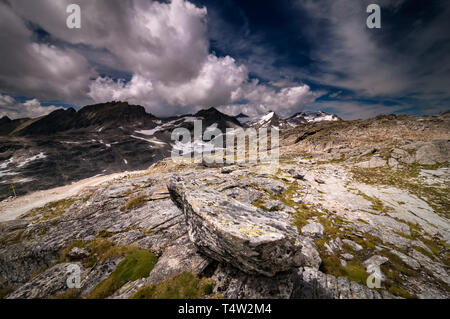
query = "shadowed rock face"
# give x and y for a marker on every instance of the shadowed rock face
(110, 115)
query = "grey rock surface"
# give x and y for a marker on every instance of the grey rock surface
(259, 230)
(313, 229)
(51, 282)
(237, 233)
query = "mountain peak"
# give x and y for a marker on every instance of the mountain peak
(209, 112)
(5, 119)
(116, 106)
(312, 116)
(269, 120)
(213, 115)
(270, 115)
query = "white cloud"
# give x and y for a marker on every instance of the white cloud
(217, 80)
(31, 108)
(262, 99)
(164, 47)
(213, 86)
(164, 41)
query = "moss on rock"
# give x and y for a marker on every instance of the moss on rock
(184, 286)
(137, 264)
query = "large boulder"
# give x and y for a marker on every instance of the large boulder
(313, 229)
(235, 232)
(436, 151)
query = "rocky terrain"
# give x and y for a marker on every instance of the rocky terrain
(345, 198)
(273, 120)
(67, 146)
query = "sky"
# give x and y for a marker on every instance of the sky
(177, 57)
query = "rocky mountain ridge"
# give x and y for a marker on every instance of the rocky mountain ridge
(273, 120)
(66, 146)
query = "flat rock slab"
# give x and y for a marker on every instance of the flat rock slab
(235, 232)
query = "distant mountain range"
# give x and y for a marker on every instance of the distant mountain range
(272, 119)
(122, 115)
(66, 145)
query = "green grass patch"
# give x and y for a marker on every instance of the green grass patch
(137, 264)
(446, 259)
(404, 235)
(354, 270)
(368, 242)
(363, 221)
(12, 238)
(444, 243)
(339, 221)
(400, 292)
(103, 234)
(134, 203)
(4, 292)
(260, 204)
(52, 210)
(432, 245)
(69, 294)
(395, 271)
(302, 215)
(333, 161)
(424, 252)
(328, 225)
(184, 286)
(397, 264)
(377, 204)
(414, 229)
(100, 250)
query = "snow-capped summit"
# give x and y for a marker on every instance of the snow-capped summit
(269, 120)
(311, 116)
(273, 120)
(267, 117)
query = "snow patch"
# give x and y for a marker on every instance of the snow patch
(267, 117)
(149, 132)
(32, 159)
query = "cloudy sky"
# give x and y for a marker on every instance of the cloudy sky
(176, 57)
